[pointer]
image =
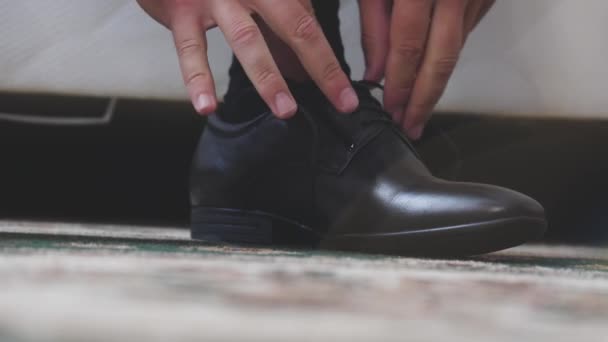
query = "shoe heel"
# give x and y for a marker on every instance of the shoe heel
(248, 227)
(231, 226)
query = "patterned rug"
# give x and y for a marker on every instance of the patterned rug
(80, 282)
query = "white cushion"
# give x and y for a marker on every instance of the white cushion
(532, 57)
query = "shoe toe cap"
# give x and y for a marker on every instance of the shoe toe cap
(506, 203)
(452, 204)
(479, 204)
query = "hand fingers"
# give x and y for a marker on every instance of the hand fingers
(409, 29)
(248, 44)
(307, 5)
(299, 29)
(191, 46)
(442, 52)
(476, 10)
(155, 10)
(375, 24)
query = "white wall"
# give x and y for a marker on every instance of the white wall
(535, 57)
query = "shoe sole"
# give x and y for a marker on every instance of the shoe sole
(258, 228)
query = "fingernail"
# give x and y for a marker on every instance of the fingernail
(286, 106)
(416, 132)
(204, 103)
(349, 100)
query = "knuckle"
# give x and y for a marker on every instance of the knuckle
(405, 88)
(331, 71)
(195, 77)
(420, 109)
(372, 40)
(368, 39)
(306, 28)
(188, 46)
(181, 3)
(443, 67)
(367, 36)
(265, 76)
(244, 34)
(410, 50)
(416, 6)
(425, 104)
(419, 2)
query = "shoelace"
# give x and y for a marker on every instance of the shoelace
(372, 112)
(370, 104)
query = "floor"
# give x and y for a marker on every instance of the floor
(86, 282)
(94, 282)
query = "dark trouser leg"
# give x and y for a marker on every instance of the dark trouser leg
(327, 15)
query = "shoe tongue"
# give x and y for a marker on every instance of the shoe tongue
(242, 105)
(366, 99)
(245, 104)
(307, 94)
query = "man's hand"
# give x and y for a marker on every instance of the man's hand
(292, 20)
(415, 45)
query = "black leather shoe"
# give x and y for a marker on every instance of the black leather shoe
(342, 182)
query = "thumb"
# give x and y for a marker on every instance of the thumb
(308, 5)
(375, 25)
